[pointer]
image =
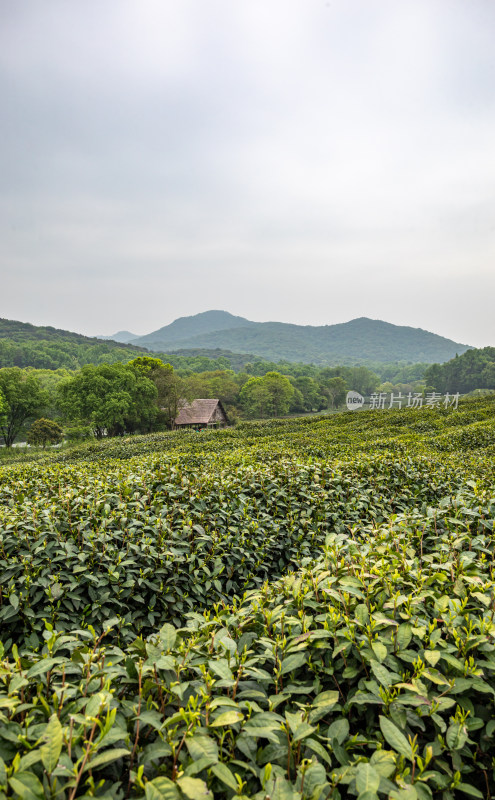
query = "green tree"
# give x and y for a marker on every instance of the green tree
(112, 398)
(146, 364)
(24, 397)
(49, 380)
(281, 392)
(45, 431)
(475, 369)
(335, 389)
(79, 433)
(269, 396)
(313, 399)
(169, 386)
(170, 389)
(218, 384)
(255, 398)
(360, 379)
(298, 404)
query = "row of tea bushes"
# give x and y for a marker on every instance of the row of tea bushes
(340, 435)
(368, 674)
(146, 540)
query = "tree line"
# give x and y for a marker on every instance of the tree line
(145, 395)
(474, 369)
(60, 353)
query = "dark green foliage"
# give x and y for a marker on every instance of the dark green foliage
(359, 662)
(335, 389)
(202, 359)
(148, 542)
(399, 372)
(24, 398)
(360, 379)
(310, 395)
(3, 407)
(373, 667)
(25, 345)
(111, 398)
(170, 389)
(269, 396)
(473, 370)
(79, 433)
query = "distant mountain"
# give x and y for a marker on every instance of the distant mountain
(357, 341)
(217, 334)
(185, 328)
(124, 337)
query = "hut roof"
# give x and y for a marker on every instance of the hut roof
(199, 412)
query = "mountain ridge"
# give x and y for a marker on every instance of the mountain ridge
(205, 322)
(361, 341)
(361, 338)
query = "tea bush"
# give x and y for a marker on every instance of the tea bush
(293, 609)
(147, 541)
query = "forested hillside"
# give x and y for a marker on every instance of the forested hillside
(185, 328)
(25, 345)
(475, 369)
(356, 342)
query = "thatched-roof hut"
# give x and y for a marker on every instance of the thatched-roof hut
(202, 413)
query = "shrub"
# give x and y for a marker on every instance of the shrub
(44, 432)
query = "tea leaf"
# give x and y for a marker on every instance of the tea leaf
(394, 737)
(52, 744)
(227, 718)
(194, 788)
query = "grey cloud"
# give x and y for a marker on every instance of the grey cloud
(308, 161)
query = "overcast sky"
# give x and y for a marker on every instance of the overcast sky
(307, 161)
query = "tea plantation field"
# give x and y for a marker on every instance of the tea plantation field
(284, 610)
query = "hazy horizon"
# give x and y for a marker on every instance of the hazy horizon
(304, 162)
